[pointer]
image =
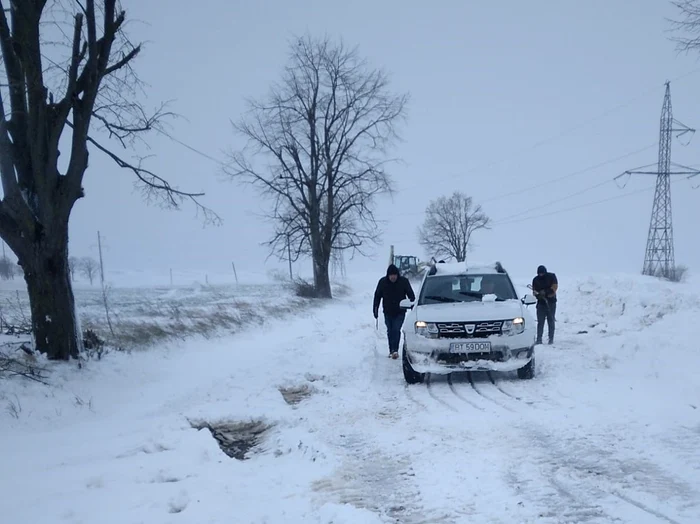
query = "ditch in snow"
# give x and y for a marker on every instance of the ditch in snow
(235, 439)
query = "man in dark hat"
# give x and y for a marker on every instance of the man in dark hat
(391, 290)
(544, 287)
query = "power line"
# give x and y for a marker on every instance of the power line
(192, 148)
(537, 144)
(511, 219)
(587, 204)
(572, 195)
(556, 179)
(567, 131)
(560, 211)
(580, 172)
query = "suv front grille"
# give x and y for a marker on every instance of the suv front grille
(456, 358)
(469, 329)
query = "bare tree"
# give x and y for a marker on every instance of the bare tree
(66, 71)
(449, 225)
(323, 134)
(73, 266)
(89, 267)
(688, 24)
(7, 268)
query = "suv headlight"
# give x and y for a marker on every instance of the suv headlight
(514, 327)
(426, 329)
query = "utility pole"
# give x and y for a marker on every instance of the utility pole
(102, 268)
(102, 282)
(289, 257)
(234, 271)
(659, 256)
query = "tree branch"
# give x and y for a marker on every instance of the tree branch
(123, 62)
(689, 24)
(154, 186)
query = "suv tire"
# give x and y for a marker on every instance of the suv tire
(409, 374)
(528, 370)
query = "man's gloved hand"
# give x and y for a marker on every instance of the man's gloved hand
(376, 312)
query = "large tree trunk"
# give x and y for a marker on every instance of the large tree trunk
(321, 261)
(51, 299)
(322, 281)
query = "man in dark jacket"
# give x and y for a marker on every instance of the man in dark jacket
(544, 287)
(391, 290)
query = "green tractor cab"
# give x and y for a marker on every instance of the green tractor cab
(408, 265)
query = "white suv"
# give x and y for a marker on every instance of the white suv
(467, 318)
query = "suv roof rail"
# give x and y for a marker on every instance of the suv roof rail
(433, 266)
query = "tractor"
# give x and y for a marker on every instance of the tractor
(408, 265)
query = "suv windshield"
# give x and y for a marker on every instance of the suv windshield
(441, 289)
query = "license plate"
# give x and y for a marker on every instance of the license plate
(470, 347)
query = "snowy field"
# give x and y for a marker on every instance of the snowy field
(144, 309)
(316, 425)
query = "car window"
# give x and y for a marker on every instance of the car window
(465, 288)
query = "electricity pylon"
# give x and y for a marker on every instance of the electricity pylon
(659, 256)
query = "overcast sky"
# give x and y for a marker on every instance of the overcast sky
(505, 96)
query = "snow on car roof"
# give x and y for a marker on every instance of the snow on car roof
(460, 268)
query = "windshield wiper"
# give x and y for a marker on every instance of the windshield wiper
(471, 294)
(439, 299)
(481, 295)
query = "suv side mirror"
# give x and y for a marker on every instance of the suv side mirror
(529, 300)
(406, 304)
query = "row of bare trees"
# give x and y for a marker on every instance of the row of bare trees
(86, 266)
(318, 145)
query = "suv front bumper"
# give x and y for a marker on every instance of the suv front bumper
(434, 356)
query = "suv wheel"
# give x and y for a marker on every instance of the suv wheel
(528, 370)
(411, 376)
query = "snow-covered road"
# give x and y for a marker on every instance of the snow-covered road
(608, 431)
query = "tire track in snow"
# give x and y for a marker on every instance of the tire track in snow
(493, 381)
(613, 504)
(374, 473)
(376, 367)
(602, 480)
(378, 481)
(564, 489)
(431, 392)
(682, 444)
(409, 395)
(645, 508)
(562, 493)
(460, 396)
(480, 392)
(506, 393)
(551, 501)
